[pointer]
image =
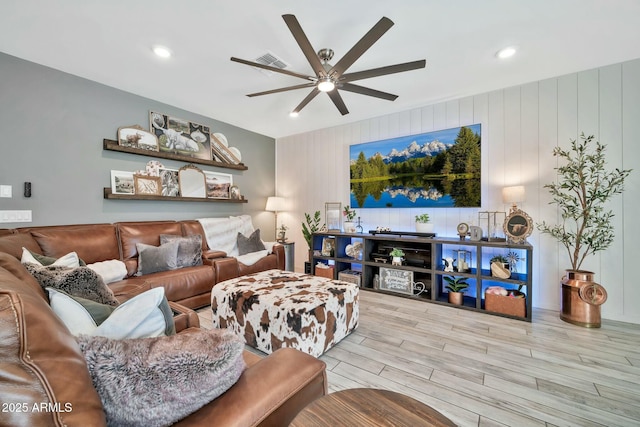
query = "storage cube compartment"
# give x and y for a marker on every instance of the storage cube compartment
(506, 304)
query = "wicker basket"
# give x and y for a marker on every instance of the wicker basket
(506, 305)
(325, 272)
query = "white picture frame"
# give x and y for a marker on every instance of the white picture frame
(122, 182)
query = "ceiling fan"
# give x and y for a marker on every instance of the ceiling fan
(332, 78)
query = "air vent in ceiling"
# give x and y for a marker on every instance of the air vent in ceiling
(271, 60)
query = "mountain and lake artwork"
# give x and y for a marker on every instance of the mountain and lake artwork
(430, 170)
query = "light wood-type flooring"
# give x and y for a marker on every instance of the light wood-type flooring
(484, 370)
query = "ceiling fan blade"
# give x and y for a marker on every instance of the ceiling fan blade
(274, 69)
(338, 102)
(305, 101)
(361, 47)
(283, 89)
(305, 45)
(349, 87)
(389, 69)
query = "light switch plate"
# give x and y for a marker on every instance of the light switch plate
(5, 191)
(15, 216)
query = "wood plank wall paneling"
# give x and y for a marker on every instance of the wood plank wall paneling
(520, 127)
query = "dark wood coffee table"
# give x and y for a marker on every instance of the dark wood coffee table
(369, 407)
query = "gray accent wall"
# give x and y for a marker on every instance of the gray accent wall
(52, 125)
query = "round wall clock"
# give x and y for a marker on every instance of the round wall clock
(463, 229)
(518, 226)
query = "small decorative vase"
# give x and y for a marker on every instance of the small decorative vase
(456, 298)
(424, 227)
(349, 227)
(397, 260)
(581, 299)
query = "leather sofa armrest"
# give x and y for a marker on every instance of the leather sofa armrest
(270, 392)
(209, 254)
(225, 269)
(184, 317)
(279, 251)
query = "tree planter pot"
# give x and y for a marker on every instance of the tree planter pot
(581, 299)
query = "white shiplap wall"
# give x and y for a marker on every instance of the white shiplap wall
(520, 127)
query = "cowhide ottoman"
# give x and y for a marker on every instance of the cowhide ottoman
(274, 309)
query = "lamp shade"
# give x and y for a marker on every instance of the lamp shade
(513, 194)
(275, 204)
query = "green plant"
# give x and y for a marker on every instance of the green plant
(456, 284)
(311, 226)
(422, 218)
(349, 213)
(396, 252)
(582, 190)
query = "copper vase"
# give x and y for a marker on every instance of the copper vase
(581, 299)
(456, 298)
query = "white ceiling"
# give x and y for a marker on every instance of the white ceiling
(110, 42)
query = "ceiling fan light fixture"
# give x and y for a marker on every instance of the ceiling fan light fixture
(325, 84)
(294, 114)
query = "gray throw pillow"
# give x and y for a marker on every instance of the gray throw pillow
(81, 282)
(253, 243)
(152, 259)
(189, 249)
(163, 379)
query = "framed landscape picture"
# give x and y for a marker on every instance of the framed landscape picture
(218, 185)
(122, 182)
(430, 170)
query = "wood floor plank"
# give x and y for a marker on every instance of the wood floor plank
(490, 371)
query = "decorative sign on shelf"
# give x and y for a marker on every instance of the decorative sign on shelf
(393, 280)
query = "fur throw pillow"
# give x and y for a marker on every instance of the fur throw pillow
(80, 282)
(159, 381)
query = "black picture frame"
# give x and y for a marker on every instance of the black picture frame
(517, 226)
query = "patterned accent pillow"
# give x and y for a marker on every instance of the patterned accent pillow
(163, 379)
(189, 248)
(253, 243)
(81, 282)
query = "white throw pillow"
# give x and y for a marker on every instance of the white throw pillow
(143, 316)
(111, 270)
(69, 260)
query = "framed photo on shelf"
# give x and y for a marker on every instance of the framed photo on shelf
(135, 137)
(122, 182)
(218, 185)
(169, 183)
(400, 281)
(234, 192)
(518, 226)
(328, 246)
(181, 136)
(147, 185)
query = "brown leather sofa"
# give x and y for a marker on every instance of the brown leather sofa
(41, 364)
(190, 287)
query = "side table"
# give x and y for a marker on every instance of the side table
(289, 254)
(369, 407)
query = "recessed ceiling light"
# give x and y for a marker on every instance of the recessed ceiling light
(162, 51)
(507, 52)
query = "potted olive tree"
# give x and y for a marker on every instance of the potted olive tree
(584, 187)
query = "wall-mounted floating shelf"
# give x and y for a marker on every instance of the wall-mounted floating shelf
(111, 145)
(108, 194)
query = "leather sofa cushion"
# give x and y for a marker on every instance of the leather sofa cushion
(182, 283)
(13, 244)
(42, 363)
(147, 232)
(92, 242)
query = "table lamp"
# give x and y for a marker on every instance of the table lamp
(275, 205)
(513, 195)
